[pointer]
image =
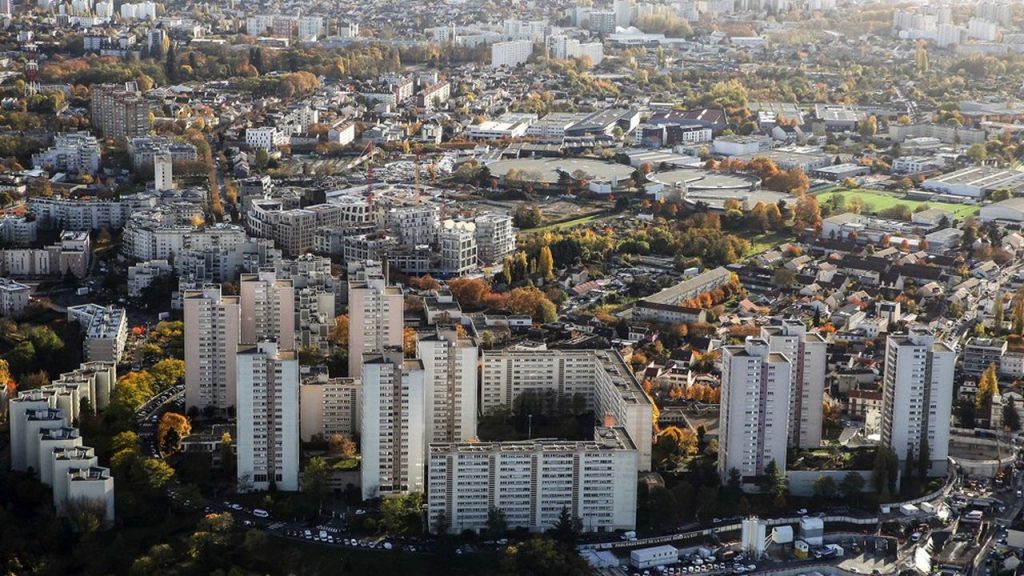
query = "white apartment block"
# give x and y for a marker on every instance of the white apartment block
(265, 137)
(393, 427)
(106, 331)
(457, 243)
(268, 309)
(376, 315)
(84, 215)
(212, 330)
(142, 275)
(808, 353)
(495, 237)
(268, 418)
(531, 481)
(18, 230)
(607, 386)
(329, 406)
(917, 395)
(14, 297)
(163, 172)
(144, 149)
(450, 386)
(753, 422)
(512, 53)
(561, 47)
(43, 441)
(415, 225)
(119, 111)
(77, 152)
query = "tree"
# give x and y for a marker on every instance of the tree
(339, 334)
(542, 557)
(497, 524)
(470, 293)
(977, 153)
(525, 217)
(997, 315)
(171, 429)
(409, 341)
(1011, 418)
(924, 459)
(784, 277)
(988, 386)
(531, 301)
(851, 486)
(869, 127)
(807, 213)
(885, 471)
(157, 473)
(341, 445)
(825, 487)
(171, 64)
(167, 373)
(316, 479)
(774, 481)
(567, 528)
(546, 263)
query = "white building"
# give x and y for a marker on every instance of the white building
(917, 395)
(807, 351)
(415, 225)
(450, 386)
(531, 481)
(376, 313)
(106, 331)
(974, 182)
(456, 241)
(142, 275)
(512, 53)
(265, 137)
(163, 173)
(754, 416)
(14, 297)
(393, 426)
(495, 236)
(77, 152)
(212, 329)
(600, 378)
(268, 418)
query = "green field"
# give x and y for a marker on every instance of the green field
(875, 200)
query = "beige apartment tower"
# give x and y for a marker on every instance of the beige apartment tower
(211, 342)
(375, 313)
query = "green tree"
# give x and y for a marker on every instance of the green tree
(851, 486)
(171, 64)
(825, 487)
(316, 480)
(924, 460)
(567, 528)
(977, 153)
(167, 373)
(997, 315)
(157, 473)
(869, 127)
(1011, 418)
(497, 524)
(542, 557)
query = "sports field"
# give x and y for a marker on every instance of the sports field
(875, 200)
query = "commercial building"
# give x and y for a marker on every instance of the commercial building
(974, 182)
(329, 406)
(917, 395)
(375, 314)
(533, 480)
(106, 331)
(754, 416)
(1009, 210)
(119, 111)
(450, 386)
(212, 330)
(808, 355)
(268, 418)
(393, 426)
(599, 378)
(77, 152)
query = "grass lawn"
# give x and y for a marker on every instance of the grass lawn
(764, 242)
(569, 223)
(875, 200)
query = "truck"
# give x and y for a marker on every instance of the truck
(82, 291)
(908, 509)
(927, 507)
(630, 535)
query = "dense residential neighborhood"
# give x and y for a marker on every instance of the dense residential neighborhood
(568, 287)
